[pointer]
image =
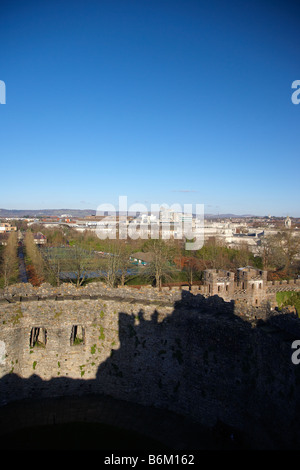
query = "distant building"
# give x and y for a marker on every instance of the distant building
(6, 227)
(39, 238)
(287, 222)
(141, 258)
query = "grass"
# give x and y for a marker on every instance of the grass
(289, 298)
(78, 340)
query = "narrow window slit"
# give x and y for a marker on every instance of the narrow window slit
(38, 337)
(77, 335)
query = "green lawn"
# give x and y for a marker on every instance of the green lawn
(289, 298)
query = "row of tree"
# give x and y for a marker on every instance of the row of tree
(280, 253)
(34, 260)
(9, 265)
(169, 261)
(74, 257)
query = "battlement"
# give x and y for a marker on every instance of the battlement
(284, 282)
(193, 355)
(248, 284)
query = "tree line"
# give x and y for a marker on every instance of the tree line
(9, 264)
(73, 256)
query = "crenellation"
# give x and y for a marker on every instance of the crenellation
(248, 283)
(154, 348)
(189, 355)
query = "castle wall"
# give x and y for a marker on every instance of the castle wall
(196, 359)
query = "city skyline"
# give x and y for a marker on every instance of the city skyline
(165, 102)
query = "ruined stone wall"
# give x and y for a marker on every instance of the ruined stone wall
(195, 358)
(254, 291)
(59, 357)
(293, 284)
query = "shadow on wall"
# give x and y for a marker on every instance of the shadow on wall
(202, 378)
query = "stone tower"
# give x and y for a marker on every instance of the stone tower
(253, 282)
(220, 282)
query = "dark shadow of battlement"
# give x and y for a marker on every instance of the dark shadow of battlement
(201, 377)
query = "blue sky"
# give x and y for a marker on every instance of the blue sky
(161, 101)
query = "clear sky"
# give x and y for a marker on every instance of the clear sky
(162, 101)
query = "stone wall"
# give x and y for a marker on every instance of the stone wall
(171, 351)
(249, 286)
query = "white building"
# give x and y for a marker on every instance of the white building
(288, 222)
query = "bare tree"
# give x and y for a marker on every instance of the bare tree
(111, 266)
(78, 263)
(33, 255)
(280, 251)
(9, 266)
(243, 255)
(55, 262)
(116, 263)
(289, 244)
(124, 262)
(161, 264)
(192, 266)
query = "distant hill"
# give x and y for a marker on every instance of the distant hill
(227, 216)
(83, 212)
(45, 212)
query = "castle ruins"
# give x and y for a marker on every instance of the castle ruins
(215, 352)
